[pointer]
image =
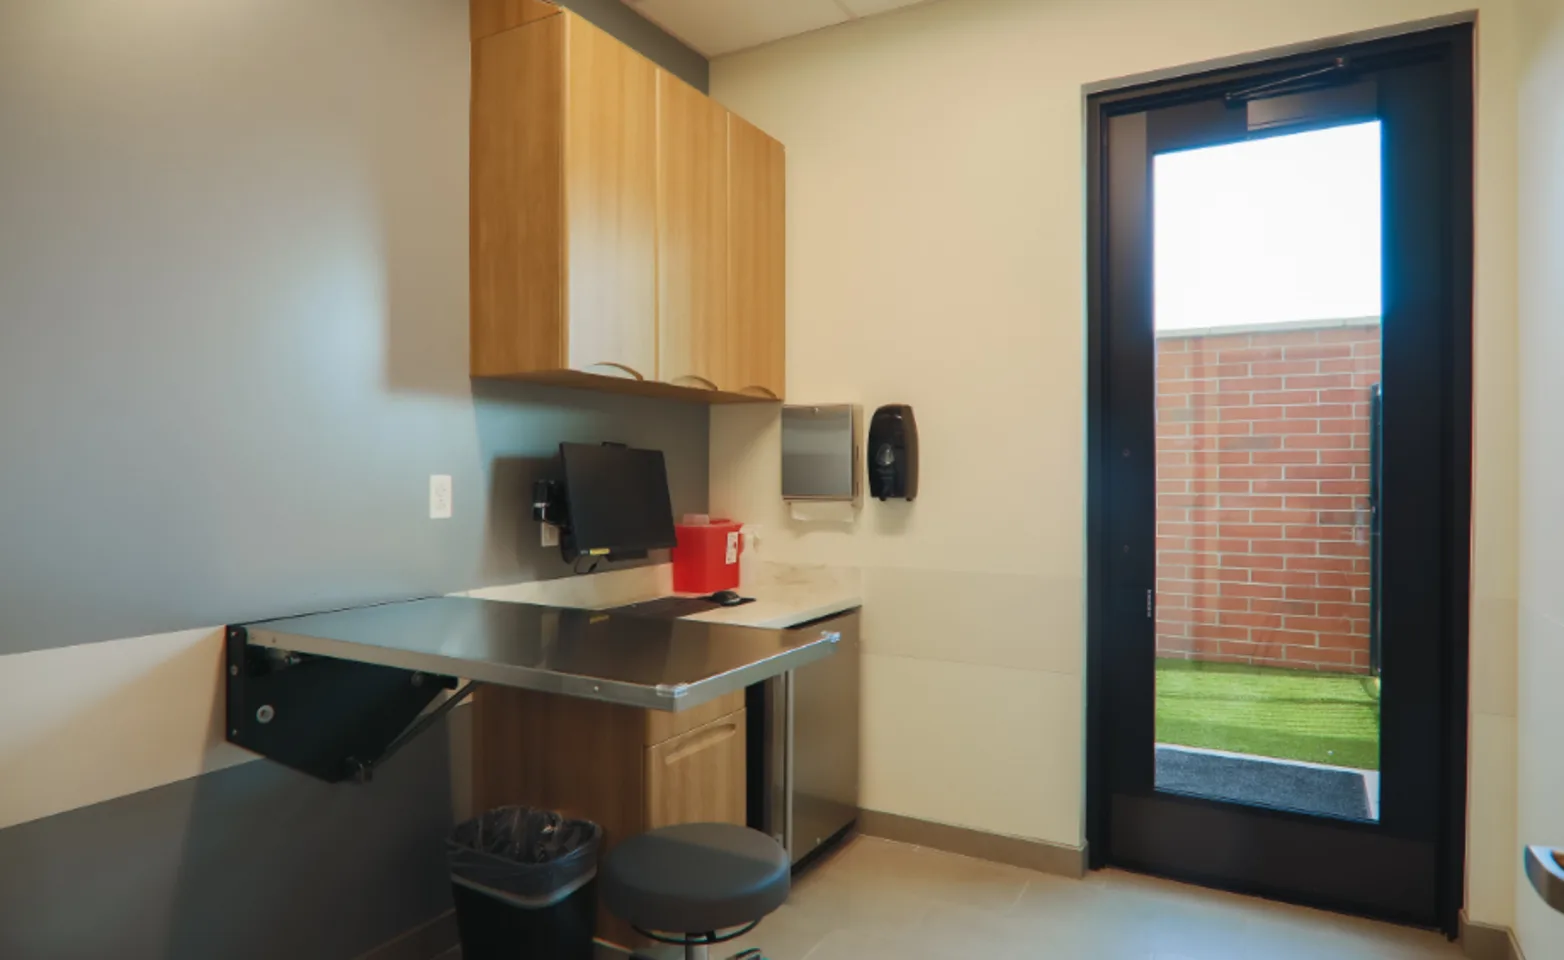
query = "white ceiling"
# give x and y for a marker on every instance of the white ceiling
(717, 27)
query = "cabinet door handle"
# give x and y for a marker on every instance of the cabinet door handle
(693, 380)
(608, 368)
(695, 745)
(760, 392)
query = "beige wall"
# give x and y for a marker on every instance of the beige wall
(935, 251)
(1541, 653)
(88, 723)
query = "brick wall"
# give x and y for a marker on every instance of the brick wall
(1262, 496)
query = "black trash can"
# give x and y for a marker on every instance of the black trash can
(525, 885)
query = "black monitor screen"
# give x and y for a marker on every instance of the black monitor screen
(617, 499)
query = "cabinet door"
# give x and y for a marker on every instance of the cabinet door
(757, 310)
(662, 725)
(610, 204)
(698, 777)
(692, 235)
(496, 16)
(517, 215)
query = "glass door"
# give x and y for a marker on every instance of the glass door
(1280, 334)
(1266, 316)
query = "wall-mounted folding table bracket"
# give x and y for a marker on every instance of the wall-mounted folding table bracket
(332, 719)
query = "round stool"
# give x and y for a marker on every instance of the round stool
(695, 879)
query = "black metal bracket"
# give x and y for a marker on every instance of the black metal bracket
(1337, 71)
(548, 502)
(332, 719)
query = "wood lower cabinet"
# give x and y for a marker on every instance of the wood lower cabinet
(627, 770)
(690, 778)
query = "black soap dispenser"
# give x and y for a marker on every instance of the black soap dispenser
(893, 453)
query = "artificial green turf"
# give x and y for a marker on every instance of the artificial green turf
(1269, 712)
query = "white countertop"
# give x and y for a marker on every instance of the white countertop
(786, 595)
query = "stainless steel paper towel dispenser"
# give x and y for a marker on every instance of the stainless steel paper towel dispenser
(820, 458)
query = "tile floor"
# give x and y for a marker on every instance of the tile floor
(878, 899)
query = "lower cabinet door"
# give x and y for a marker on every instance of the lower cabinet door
(698, 777)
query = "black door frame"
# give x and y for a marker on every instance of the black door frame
(1457, 439)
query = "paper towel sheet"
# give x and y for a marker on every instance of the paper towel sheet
(823, 511)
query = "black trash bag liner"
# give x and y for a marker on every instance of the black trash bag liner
(537, 856)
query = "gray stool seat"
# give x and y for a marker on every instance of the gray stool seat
(695, 878)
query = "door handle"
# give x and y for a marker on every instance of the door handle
(693, 380)
(1546, 874)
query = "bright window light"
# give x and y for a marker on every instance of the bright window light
(1285, 228)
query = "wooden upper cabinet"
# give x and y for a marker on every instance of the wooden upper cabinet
(757, 265)
(493, 16)
(517, 214)
(627, 231)
(692, 235)
(564, 236)
(611, 203)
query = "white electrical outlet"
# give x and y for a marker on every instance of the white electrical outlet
(550, 535)
(440, 497)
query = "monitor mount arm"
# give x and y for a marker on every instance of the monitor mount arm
(548, 502)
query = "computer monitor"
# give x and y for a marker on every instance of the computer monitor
(616, 501)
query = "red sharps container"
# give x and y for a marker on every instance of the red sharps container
(707, 557)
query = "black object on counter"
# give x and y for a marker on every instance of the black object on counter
(525, 884)
(729, 598)
(893, 453)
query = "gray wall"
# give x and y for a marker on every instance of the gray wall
(233, 348)
(233, 322)
(252, 863)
